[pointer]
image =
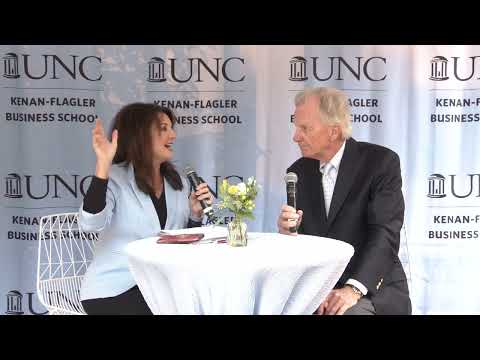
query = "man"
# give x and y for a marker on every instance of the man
(349, 191)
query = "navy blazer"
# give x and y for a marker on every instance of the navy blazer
(366, 211)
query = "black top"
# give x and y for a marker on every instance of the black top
(95, 201)
(161, 208)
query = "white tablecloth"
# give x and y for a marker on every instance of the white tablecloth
(273, 274)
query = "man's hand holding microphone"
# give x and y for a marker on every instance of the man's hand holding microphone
(290, 218)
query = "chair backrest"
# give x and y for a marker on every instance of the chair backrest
(64, 253)
(404, 257)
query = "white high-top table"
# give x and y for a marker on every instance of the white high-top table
(273, 274)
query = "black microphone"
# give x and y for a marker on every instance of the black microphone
(195, 180)
(291, 181)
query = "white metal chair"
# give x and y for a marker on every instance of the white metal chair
(64, 253)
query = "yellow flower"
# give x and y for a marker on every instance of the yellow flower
(233, 189)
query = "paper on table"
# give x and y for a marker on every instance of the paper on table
(179, 238)
(212, 233)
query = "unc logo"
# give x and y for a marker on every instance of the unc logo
(39, 187)
(458, 186)
(10, 66)
(156, 70)
(461, 68)
(339, 68)
(14, 303)
(436, 186)
(298, 69)
(438, 71)
(196, 69)
(53, 67)
(13, 186)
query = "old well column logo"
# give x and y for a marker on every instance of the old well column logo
(436, 186)
(156, 70)
(298, 69)
(13, 186)
(14, 303)
(10, 66)
(438, 68)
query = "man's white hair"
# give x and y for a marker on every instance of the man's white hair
(333, 106)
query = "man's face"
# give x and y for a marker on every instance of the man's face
(311, 134)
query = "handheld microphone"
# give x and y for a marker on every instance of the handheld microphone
(291, 181)
(194, 180)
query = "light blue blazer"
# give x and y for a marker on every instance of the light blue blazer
(129, 215)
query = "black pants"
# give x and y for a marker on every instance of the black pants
(131, 302)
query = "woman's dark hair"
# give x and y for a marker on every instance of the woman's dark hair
(134, 123)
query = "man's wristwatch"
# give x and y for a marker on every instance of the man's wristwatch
(355, 290)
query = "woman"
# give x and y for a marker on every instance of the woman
(136, 192)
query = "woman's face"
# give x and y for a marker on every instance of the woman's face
(163, 137)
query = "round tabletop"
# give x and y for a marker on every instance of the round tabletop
(273, 274)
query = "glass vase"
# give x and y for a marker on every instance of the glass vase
(237, 233)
